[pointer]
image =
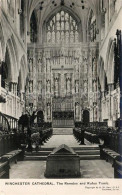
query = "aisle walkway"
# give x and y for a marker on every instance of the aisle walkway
(67, 139)
(62, 131)
(57, 140)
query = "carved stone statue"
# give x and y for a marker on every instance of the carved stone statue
(48, 86)
(68, 85)
(77, 86)
(56, 86)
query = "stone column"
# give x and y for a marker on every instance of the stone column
(15, 89)
(12, 87)
(15, 94)
(13, 99)
(110, 87)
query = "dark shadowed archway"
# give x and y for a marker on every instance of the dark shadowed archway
(86, 117)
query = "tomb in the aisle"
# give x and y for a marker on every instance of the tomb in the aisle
(63, 162)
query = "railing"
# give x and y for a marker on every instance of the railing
(7, 123)
(4, 124)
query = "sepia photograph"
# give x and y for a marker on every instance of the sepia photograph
(60, 95)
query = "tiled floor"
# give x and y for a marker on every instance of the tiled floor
(36, 169)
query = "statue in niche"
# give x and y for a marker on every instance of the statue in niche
(31, 87)
(77, 68)
(77, 86)
(85, 67)
(31, 66)
(56, 86)
(68, 85)
(85, 86)
(48, 66)
(94, 85)
(39, 86)
(48, 109)
(76, 109)
(48, 86)
(40, 67)
(94, 67)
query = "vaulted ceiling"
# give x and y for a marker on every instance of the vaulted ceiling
(45, 7)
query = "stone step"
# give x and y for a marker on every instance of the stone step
(89, 157)
(39, 153)
(46, 153)
(44, 158)
(88, 152)
(81, 147)
(62, 131)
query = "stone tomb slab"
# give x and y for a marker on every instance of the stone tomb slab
(63, 162)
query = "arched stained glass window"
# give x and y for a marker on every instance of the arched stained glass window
(62, 28)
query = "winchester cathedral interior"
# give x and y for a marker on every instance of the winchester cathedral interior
(60, 89)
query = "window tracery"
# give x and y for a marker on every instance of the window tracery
(62, 28)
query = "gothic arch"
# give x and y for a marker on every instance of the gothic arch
(11, 55)
(33, 27)
(86, 116)
(2, 40)
(16, 50)
(6, 69)
(32, 7)
(59, 8)
(89, 18)
(54, 12)
(13, 60)
(109, 65)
